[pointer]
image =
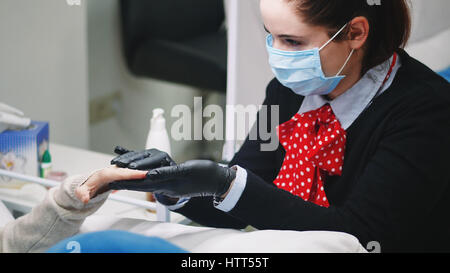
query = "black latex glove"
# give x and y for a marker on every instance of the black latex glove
(141, 160)
(145, 160)
(190, 179)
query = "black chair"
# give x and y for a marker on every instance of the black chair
(181, 41)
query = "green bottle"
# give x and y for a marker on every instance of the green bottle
(46, 164)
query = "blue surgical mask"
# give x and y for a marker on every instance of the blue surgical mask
(302, 71)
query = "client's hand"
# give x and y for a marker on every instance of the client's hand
(145, 160)
(97, 183)
(190, 179)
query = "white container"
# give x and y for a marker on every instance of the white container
(158, 138)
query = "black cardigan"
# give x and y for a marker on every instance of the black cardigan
(395, 186)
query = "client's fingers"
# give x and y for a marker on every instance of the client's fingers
(97, 183)
(126, 174)
(153, 182)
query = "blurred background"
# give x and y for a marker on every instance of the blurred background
(95, 69)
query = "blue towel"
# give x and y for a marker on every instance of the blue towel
(445, 74)
(114, 241)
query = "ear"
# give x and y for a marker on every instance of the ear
(358, 32)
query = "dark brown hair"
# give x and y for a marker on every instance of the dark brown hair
(390, 23)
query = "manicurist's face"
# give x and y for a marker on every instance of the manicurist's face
(291, 33)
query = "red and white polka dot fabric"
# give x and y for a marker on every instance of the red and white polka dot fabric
(314, 143)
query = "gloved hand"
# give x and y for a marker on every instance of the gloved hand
(193, 178)
(145, 160)
(141, 160)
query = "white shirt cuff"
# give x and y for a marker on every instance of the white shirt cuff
(235, 192)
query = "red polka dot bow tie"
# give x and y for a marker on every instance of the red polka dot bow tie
(315, 146)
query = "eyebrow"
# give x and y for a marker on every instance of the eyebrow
(284, 35)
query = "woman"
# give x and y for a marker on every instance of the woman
(63, 211)
(364, 136)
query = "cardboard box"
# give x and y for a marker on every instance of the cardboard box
(21, 151)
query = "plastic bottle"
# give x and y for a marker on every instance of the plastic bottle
(46, 164)
(158, 138)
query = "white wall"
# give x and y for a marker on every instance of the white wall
(43, 65)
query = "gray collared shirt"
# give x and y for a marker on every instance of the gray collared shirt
(348, 106)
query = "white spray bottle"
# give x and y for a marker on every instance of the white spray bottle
(158, 138)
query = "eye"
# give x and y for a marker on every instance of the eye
(291, 42)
